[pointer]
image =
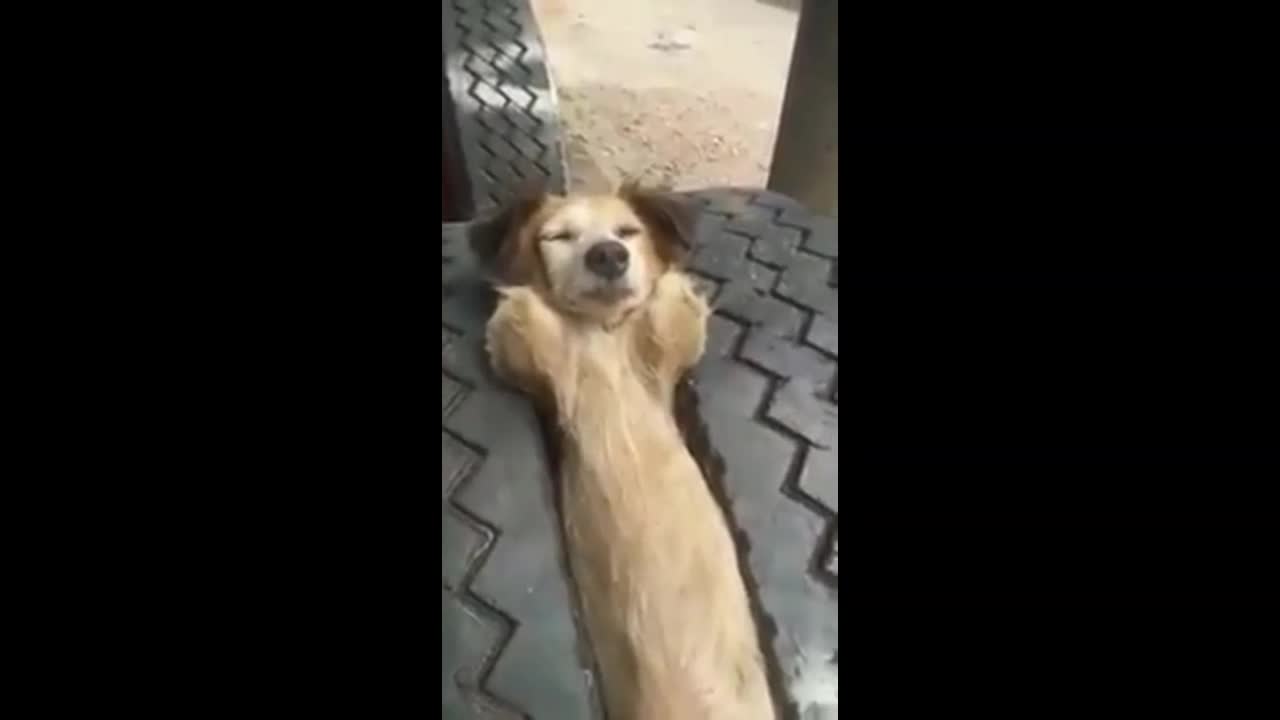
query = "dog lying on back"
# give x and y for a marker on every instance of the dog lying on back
(597, 323)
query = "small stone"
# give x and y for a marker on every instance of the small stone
(676, 41)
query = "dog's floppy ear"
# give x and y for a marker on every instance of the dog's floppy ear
(497, 241)
(672, 219)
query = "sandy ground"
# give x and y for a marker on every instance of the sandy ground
(682, 92)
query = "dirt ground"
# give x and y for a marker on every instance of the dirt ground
(681, 92)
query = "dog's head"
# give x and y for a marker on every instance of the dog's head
(595, 256)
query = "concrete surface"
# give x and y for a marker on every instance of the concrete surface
(683, 92)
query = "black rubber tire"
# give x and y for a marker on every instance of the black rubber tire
(505, 120)
(508, 638)
(766, 396)
(768, 392)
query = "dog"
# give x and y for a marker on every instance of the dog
(597, 322)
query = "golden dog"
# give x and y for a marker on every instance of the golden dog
(597, 323)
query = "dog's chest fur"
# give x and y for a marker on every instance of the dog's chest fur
(651, 554)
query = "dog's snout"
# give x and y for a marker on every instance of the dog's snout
(608, 259)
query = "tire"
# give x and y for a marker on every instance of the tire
(508, 639)
(761, 416)
(767, 394)
(501, 119)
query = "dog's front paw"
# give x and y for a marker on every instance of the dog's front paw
(523, 338)
(687, 316)
(675, 285)
(677, 317)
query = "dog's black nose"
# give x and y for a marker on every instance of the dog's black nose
(608, 259)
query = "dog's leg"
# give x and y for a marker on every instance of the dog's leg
(673, 331)
(525, 341)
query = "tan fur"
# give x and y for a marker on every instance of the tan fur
(665, 605)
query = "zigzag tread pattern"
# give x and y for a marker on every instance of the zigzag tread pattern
(503, 97)
(768, 396)
(509, 645)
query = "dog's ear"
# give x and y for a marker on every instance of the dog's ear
(672, 219)
(498, 243)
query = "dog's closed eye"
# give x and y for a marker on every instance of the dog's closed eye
(562, 236)
(627, 231)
